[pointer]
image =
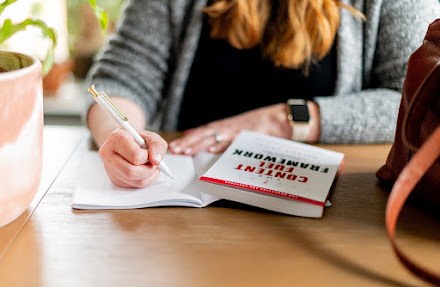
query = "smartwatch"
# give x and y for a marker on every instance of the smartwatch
(299, 118)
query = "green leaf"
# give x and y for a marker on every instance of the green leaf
(5, 31)
(5, 4)
(10, 29)
(101, 15)
(102, 18)
(93, 3)
(48, 62)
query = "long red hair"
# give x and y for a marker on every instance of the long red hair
(291, 33)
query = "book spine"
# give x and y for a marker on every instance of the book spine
(261, 189)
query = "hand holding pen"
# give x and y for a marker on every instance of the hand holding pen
(127, 161)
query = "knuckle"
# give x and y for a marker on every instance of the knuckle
(101, 152)
(118, 136)
(137, 158)
(131, 173)
(150, 134)
(105, 153)
(147, 133)
(159, 143)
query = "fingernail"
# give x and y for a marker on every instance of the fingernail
(211, 149)
(173, 144)
(158, 158)
(188, 150)
(176, 149)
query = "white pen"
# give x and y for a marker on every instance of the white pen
(104, 101)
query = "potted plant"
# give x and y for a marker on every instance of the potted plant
(84, 34)
(21, 116)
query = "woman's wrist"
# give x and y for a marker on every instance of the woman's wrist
(101, 124)
(303, 120)
(285, 130)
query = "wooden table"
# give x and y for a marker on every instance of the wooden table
(222, 245)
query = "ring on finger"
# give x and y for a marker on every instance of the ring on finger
(218, 137)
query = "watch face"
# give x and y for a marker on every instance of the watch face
(299, 113)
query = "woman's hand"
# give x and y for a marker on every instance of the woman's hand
(216, 136)
(129, 165)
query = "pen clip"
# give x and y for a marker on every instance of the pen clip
(110, 102)
(113, 106)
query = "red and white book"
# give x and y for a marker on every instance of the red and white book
(275, 174)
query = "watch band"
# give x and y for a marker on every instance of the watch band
(299, 119)
(300, 131)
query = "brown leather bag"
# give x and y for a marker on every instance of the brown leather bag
(412, 167)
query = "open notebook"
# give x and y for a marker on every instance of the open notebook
(94, 190)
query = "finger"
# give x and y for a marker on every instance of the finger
(124, 169)
(222, 141)
(201, 145)
(115, 178)
(121, 142)
(219, 147)
(147, 181)
(191, 139)
(130, 175)
(131, 172)
(157, 146)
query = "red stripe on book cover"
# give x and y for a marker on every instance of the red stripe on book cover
(261, 189)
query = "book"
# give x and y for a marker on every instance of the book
(206, 178)
(275, 173)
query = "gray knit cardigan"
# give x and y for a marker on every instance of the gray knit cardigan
(149, 58)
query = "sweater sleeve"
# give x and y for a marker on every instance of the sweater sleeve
(370, 115)
(134, 63)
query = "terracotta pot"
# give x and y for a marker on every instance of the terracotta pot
(21, 136)
(56, 77)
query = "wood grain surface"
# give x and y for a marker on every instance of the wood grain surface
(226, 244)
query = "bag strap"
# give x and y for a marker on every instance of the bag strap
(405, 183)
(418, 107)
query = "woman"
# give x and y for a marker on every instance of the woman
(213, 68)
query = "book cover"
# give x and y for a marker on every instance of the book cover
(275, 167)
